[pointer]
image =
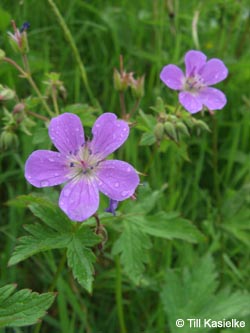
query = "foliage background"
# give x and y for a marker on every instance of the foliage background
(211, 188)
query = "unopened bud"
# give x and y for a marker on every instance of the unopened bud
(137, 87)
(202, 125)
(6, 93)
(169, 129)
(182, 128)
(8, 139)
(2, 54)
(159, 131)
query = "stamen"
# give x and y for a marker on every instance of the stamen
(71, 164)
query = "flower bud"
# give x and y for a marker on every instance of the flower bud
(202, 125)
(169, 129)
(137, 87)
(159, 131)
(6, 93)
(19, 40)
(8, 139)
(2, 54)
(182, 128)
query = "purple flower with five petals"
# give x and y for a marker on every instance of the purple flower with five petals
(83, 164)
(194, 86)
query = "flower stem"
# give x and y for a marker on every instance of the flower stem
(53, 284)
(135, 107)
(122, 104)
(36, 115)
(54, 99)
(29, 78)
(75, 51)
(118, 294)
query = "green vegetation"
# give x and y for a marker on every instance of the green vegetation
(182, 249)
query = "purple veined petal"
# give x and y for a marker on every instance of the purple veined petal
(46, 168)
(66, 132)
(79, 199)
(214, 71)
(194, 61)
(212, 98)
(109, 133)
(190, 102)
(172, 76)
(117, 179)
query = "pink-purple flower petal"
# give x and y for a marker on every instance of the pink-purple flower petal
(46, 168)
(172, 76)
(109, 134)
(212, 98)
(117, 179)
(214, 71)
(194, 61)
(79, 199)
(66, 133)
(190, 102)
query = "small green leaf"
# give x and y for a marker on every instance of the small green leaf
(81, 258)
(132, 246)
(23, 307)
(169, 226)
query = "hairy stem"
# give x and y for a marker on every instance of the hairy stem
(118, 294)
(29, 78)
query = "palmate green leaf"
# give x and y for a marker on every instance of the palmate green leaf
(56, 231)
(55, 234)
(193, 294)
(132, 245)
(81, 258)
(23, 307)
(169, 226)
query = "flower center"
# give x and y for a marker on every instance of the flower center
(194, 83)
(82, 163)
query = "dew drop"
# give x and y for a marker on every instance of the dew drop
(128, 169)
(117, 184)
(77, 129)
(56, 174)
(100, 183)
(124, 193)
(51, 160)
(118, 124)
(44, 183)
(125, 129)
(97, 125)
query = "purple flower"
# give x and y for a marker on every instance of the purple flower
(194, 86)
(83, 165)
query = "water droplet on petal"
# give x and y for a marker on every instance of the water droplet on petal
(100, 183)
(97, 125)
(51, 160)
(44, 183)
(117, 184)
(128, 169)
(124, 193)
(56, 174)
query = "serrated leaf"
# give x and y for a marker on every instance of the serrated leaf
(147, 200)
(192, 293)
(41, 239)
(55, 234)
(169, 226)
(132, 246)
(81, 258)
(23, 307)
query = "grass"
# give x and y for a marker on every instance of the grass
(211, 189)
